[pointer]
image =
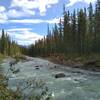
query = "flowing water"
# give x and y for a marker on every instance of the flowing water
(77, 85)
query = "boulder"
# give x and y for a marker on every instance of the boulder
(13, 63)
(55, 66)
(60, 75)
(16, 71)
(37, 68)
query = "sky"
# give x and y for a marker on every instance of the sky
(26, 20)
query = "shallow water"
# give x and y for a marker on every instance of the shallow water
(77, 85)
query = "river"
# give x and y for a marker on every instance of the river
(77, 85)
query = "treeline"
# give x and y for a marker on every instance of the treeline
(8, 46)
(77, 33)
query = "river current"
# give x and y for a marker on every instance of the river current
(77, 85)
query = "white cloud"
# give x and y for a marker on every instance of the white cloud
(28, 4)
(2, 9)
(88, 1)
(13, 13)
(52, 21)
(42, 5)
(27, 21)
(18, 29)
(35, 21)
(72, 2)
(3, 16)
(24, 36)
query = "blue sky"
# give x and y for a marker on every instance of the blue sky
(26, 20)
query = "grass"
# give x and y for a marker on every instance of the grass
(7, 94)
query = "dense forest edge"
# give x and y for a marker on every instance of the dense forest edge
(75, 41)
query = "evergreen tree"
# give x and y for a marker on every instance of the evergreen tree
(3, 42)
(97, 28)
(60, 40)
(7, 47)
(81, 31)
(90, 34)
(66, 30)
(74, 33)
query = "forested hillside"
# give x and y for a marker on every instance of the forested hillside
(8, 46)
(77, 33)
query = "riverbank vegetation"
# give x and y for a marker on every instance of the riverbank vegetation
(8, 94)
(8, 46)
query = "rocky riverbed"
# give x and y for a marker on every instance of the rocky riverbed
(63, 82)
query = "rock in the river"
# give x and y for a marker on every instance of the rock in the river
(12, 63)
(60, 75)
(16, 71)
(37, 68)
(55, 66)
